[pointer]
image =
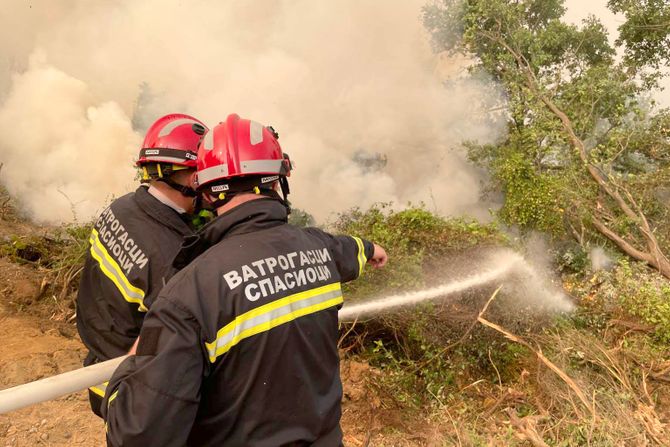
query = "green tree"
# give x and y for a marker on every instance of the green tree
(646, 32)
(586, 149)
(301, 218)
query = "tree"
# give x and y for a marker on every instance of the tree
(301, 218)
(586, 149)
(646, 32)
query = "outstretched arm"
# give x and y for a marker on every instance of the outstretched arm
(351, 253)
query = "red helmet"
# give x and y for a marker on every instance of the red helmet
(172, 139)
(241, 152)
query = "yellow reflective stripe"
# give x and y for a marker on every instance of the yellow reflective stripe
(271, 306)
(100, 389)
(268, 316)
(274, 323)
(361, 254)
(112, 270)
(109, 401)
(112, 397)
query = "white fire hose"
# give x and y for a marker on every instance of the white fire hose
(56, 386)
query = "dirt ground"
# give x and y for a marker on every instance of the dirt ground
(32, 349)
(34, 346)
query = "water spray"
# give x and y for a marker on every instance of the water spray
(349, 313)
(505, 266)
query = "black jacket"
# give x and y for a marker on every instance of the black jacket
(240, 348)
(133, 244)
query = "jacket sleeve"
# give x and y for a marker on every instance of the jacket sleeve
(350, 253)
(153, 396)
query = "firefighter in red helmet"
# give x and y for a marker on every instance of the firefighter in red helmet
(134, 241)
(240, 348)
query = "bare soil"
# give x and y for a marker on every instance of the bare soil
(32, 349)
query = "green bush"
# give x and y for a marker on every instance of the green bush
(630, 291)
(645, 295)
(531, 199)
(415, 240)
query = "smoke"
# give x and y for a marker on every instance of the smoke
(63, 153)
(345, 83)
(519, 277)
(600, 260)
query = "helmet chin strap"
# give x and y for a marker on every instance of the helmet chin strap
(223, 199)
(185, 190)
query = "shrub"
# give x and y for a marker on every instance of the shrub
(645, 295)
(415, 239)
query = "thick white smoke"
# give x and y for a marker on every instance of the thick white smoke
(360, 102)
(64, 154)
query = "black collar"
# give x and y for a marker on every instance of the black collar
(248, 217)
(160, 212)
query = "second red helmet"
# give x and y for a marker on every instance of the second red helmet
(172, 139)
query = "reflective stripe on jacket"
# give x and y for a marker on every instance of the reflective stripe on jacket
(240, 348)
(132, 246)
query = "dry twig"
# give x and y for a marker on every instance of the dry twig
(526, 427)
(351, 328)
(538, 352)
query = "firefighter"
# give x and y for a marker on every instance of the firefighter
(134, 242)
(240, 348)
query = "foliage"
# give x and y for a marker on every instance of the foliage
(645, 296)
(73, 245)
(58, 257)
(496, 389)
(586, 153)
(645, 34)
(64, 247)
(300, 218)
(628, 291)
(415, 240)
(531, 200)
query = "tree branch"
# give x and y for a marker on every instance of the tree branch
(624, 245)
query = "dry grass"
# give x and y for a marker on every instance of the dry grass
(571, 386)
